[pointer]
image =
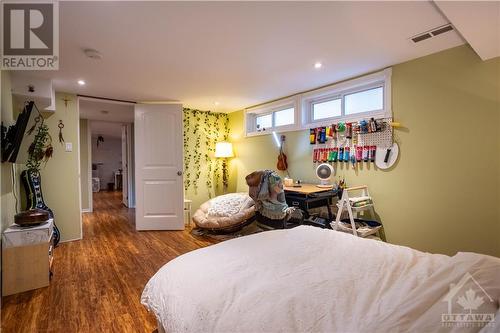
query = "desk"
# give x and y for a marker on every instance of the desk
(310, 196)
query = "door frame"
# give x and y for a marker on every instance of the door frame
(89, 137)
(89, 163)
(89, 166)
(130, 164)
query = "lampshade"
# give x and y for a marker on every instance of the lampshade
(224, 149)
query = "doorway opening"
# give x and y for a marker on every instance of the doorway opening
(106, 153)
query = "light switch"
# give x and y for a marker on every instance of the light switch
(69, 146)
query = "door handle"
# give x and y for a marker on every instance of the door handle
(179, 173)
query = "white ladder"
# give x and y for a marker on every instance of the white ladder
(353, 212)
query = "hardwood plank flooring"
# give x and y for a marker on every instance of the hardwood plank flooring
(98, 280)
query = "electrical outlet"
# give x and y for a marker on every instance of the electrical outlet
(69, 147)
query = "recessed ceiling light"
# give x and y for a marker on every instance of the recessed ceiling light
(81, 82)
(318, 65)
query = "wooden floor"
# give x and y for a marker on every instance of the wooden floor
(98, 281)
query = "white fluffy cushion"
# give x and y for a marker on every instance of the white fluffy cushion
(224, 211)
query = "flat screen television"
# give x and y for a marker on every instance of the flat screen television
(17, 139)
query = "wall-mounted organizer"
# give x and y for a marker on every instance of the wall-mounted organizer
(351, 142)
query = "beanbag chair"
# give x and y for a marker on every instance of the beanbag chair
(228, 212)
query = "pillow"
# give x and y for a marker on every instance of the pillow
(229, 204)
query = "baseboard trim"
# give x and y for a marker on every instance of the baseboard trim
(86, 210)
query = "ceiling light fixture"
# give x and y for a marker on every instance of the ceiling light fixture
(318, 65)
(216, 103)
(81, 82)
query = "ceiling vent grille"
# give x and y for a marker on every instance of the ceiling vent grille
(432, 33)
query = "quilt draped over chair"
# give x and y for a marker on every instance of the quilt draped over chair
(266, 189)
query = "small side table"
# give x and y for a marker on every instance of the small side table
(26, 258)
(187, 211)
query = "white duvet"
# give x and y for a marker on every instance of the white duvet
(313, 280)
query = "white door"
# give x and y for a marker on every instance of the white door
(124, 166)
(158, 167)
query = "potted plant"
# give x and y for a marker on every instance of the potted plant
(41, 148)
(40, 151)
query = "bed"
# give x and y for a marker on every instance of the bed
(309, 279)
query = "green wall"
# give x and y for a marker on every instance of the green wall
(443, 195)
(60, 177)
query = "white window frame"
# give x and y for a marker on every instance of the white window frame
(340, 90)
(302, 104)
(270, 108)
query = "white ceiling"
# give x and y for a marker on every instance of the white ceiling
(116, 112)
(106, 129)
(237, 53)
(478, 22)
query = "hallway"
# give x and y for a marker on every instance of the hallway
(98, 280)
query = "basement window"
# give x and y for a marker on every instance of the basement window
(364, 97)
(364, 101)
(281, 116)
(353, 100)
(330, 108)
(284, 117)
(263, 122)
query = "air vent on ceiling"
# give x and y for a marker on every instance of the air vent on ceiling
(432, 33)
(442, 30)
(421, 37)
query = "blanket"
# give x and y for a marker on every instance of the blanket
(266, 189)
(308, 279)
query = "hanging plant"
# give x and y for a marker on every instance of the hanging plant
(226, 127)
(197, 150)
(187, 151)
(208, 159)
(217, 172)
(225, 175)
(40, 149)
(202, 129)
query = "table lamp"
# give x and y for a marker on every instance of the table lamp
(224, 150)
